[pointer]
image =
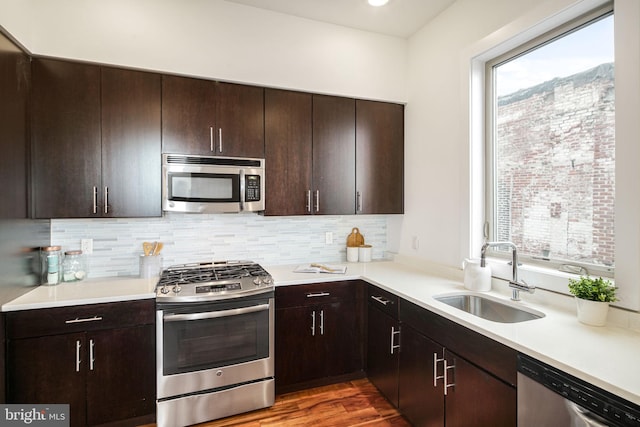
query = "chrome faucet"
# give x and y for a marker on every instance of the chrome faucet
(515, 285)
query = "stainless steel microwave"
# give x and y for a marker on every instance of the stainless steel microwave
(205, 184)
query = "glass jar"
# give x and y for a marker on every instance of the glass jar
(50, 258)
(74, 267)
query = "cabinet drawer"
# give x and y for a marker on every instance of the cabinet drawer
(383, 300)
(79, 318)
(314, 294)
(494, 357)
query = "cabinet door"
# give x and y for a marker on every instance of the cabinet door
(298, 352)
(334, 155)
(188, 116)
(288, 159)
(420, 401)
(478, 398)
(382, 360)
(380, 157)
(14, 125)
(341, 335)
(121, 374)
(240, 120)
(49, 370)
(131, 144)
(66, 138)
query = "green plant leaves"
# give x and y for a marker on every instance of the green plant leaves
(593, 289)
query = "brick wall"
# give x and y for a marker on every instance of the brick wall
(556, 171)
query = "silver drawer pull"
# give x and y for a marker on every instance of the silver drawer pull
(380, 300)
(78, 361)
(446, 382)
(86, 319)
(319, 294)
(394, 346)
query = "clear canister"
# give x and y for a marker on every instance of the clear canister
(74, 266)
(51, 259)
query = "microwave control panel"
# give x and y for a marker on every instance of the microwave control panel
(252, 188)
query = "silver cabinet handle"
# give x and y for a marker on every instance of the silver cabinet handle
(317, 200)
(85, 319)
(106, 199)
(318, 294)
(78, 345)
(381, 300)
(436, 360)
(358, 202)
(95, 200)
(211, 138)
(92, 358)
(446, 383)
(313, 323)
(308, 206)
(321, 322)
(215, 314)
(220, 139)
(393, 335)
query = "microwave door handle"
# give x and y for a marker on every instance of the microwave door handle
(215, 314)
(242, 189)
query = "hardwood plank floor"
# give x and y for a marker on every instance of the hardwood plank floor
(349, 404)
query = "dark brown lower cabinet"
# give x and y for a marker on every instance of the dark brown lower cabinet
(104, 371)
(420, 402)
(383, 349)
(318, 334)
(478, 388)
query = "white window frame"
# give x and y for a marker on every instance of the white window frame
(566, 28)
(541, 19)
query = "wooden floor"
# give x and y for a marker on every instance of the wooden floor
(354, 403)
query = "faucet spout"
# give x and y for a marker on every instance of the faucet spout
(515, 285)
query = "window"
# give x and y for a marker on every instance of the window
(551, 146)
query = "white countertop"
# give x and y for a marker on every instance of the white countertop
(604, 356)
(90, 291)
(608, 357)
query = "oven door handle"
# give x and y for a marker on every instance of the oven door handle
(215, 314)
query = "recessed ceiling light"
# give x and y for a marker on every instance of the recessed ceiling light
(378, 2)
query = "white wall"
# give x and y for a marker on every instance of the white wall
(213, 39)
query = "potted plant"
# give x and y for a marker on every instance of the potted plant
(593, 296)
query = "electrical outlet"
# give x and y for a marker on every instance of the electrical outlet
(86, 245)
(415, 243)
(328, 237)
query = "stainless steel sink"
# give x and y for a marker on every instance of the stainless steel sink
(489, 308)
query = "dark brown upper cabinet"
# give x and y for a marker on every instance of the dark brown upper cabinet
(334, 155)
(288, 148)
(14, 125)
(96, 141)
(131, 143)
(203, 117)
(379, 157)
(310, 154)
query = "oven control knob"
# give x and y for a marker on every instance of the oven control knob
(177, 289)
(268, 280)
(164, 290)
(257, 281)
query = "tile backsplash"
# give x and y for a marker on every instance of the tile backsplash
(117, 243)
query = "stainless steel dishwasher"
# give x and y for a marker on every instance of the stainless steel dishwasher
(550, 397)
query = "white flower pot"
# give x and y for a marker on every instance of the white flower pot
(592, 313)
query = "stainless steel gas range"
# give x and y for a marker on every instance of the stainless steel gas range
(215, 339)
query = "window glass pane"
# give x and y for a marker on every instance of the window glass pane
(554, 148)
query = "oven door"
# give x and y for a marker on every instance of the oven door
(204, 346)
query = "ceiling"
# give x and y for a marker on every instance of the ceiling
(400, 18)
